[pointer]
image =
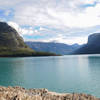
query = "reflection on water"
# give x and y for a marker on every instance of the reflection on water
(70, 73)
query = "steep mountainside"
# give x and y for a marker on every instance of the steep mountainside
(9, 37)
(59, 48)
(12, 44)
(92, 47)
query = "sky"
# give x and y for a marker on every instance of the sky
(65, 21)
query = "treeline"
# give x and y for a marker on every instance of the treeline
(7, 52)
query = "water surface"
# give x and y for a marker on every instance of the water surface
(71, 73)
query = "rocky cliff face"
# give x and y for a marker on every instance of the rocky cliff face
(18, 93)
(92, 47)
(9, 37)
(11, 43)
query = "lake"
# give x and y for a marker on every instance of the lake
(71, 73)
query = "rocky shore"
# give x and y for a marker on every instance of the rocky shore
(18, 93)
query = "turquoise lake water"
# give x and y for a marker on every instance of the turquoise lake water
(72, 73)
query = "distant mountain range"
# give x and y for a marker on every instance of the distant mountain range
(12, 44)
(92, 47)
(58, 48)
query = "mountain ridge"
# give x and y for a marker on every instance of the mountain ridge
(12, 44)
(92, 46)
(59, 48)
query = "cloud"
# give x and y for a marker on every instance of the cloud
(55, 13)
(58, 20)
(21, 31)
(60, 39)
(57, 17)
(46, 34)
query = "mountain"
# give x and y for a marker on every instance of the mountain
(12, 44)
(10, 38)
(92, 47)
(58, 48)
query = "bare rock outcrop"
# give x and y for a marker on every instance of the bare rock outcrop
(92, 46)
(18, 93)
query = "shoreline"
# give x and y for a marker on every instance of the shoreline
(19, 93)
